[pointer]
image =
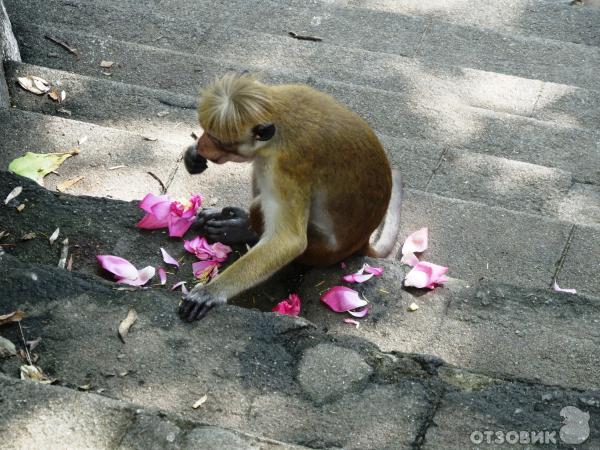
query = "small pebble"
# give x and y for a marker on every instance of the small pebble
(413, 307)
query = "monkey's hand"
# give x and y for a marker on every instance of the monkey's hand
(230, 226)
(198, 302)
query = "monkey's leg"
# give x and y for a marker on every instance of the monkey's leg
(231, 226)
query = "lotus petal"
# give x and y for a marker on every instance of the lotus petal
(290, 306)
(143, 276)
(416, 242)
(205, 269)
(120, 267)
(409, 259)
(176, 285)
(342, 299)
(162, 274)
(168, 258)
(360, 312)
(377, 271)
(352, 321)
(557, 288)
(426, 274)
(178, 226)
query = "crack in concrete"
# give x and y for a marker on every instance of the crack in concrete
(563, 256)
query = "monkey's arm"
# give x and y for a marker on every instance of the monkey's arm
(283, 241)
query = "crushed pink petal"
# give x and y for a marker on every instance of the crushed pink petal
(360, 312)
(143, 276)
(203, 250)
(409, 259)
(150, 222)
(176, 285)
(426, 275)
(417, 242)
(377, 271)
(178, 226)
(342, 299)
(168, 259)
(290, 306)
(118, 266)
(352, 322)
(205, 269)
(557, 288)
(162, 275)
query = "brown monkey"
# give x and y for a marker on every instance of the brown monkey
(321, 182)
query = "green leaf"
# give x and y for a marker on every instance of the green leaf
(37, 165)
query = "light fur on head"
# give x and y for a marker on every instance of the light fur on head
(232, 105)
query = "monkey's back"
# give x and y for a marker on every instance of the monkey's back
(335, 148)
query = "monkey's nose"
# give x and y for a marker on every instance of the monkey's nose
(194, 163)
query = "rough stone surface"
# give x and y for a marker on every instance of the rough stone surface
(582, 262)
(326, 371)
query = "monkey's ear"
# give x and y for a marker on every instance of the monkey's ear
(264, 132)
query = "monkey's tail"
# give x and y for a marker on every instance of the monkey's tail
(391, 225)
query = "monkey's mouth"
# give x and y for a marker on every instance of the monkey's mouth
(230, 157)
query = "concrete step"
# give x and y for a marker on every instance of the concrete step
(425, 165)
(505, 135)
(336, 391)
(550, 19)
(427, 40)
(104, 423)
(428, 83)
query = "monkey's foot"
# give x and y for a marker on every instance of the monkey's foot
(230, 226)
(197, 304)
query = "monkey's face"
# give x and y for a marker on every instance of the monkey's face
(243, 150)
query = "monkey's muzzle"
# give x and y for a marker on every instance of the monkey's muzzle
(194, 163)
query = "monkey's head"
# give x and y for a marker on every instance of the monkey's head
(236, 114)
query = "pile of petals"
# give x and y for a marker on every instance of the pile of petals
(124, 271)
(289, 306)
(178, 217)
(423, 274)
(210, 255)
(162, 211)
(365, 273)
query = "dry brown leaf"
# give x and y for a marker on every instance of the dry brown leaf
(124, 373)
(64, 111)
(33, 84)
(3, 233)
(21, 207)
(106, 64)
(150, 138)
(116, 167)
(162, 113)
(61, 187)
(34, 373)
(13, 194)
(70, 263)
(62, 262)
(200, 402)
(15, 316)
(54, 95)
(126, 324)
(26, 358)
(54, 236)
(28, 236)
(413, 307)
(85, 387)
(7, 348)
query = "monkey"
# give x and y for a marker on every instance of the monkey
(321, 183)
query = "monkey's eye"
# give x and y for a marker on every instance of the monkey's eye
(264, 132)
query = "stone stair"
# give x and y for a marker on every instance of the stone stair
(491, 111)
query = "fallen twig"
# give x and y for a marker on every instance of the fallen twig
(63, 254)
(303, 37)
(63, 44)
(163, 188)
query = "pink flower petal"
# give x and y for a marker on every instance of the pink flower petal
(289, 307)
(426, 274)
(168, 258)
(120, 267)
(409, 259)
(150, 222)
(178, 226)
(176, 285)
(150, 200)
(557, 288)
(357, 277)
(205, 269)
(203, 250)
(352, 321)
(342, 299)
(162, 274)
(377, 271)
(143, 276)
(416, 242)
(360, 312)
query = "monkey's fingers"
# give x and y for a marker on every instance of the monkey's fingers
(234, 211)
(206, 215)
